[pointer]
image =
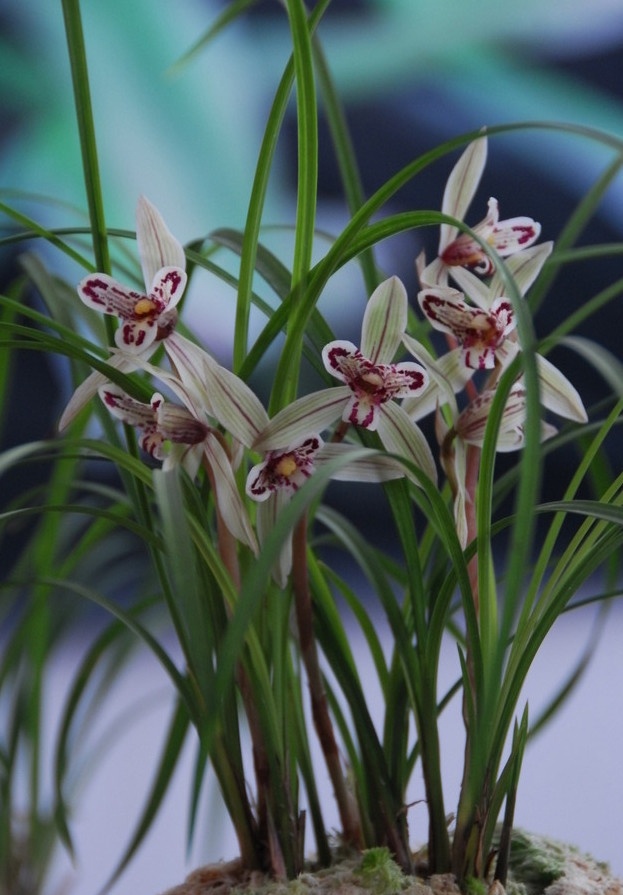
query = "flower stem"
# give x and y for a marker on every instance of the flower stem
(349, 816)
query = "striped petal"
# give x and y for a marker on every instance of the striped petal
(233, 403)
(384, 321)
(461, 188)
(558, 394)
(157, 246)
(375, 466)
(311, 413)
(230, 503)
(400, 435)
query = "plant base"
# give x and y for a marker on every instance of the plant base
(538, 866)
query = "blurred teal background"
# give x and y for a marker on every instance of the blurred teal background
(411, 72)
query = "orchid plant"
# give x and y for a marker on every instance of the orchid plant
(226, 493)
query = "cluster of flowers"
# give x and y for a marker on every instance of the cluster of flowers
(474, 313)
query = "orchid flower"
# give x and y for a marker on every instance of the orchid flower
(146, 317)
(282, 472)
(458, 249)
(486, 334)
(469, 428)
(192, 442)
(150, 315)
(480, 333)
(158, 422)
(371, 382)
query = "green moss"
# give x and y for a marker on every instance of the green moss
(476, 887)
(536, 861)
(379, 871)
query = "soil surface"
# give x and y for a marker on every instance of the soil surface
(539, 866)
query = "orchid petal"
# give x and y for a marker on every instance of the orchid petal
(447, 376)
(230, 504)
(558, 394)
(403, 437)
(157, 247)
(311, 413)
(377, 467)
(233, 403)
(135, 413)
(384, 321)
(167, 286)
(461, 187)
(103, 293)
(89, 387)
(126, 408)
(514, 235)
(524, 267)
(338, 355)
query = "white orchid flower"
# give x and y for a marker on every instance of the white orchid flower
(192, 442)
(371, 383)
(146, 318)
(459, 250)
(274, 480)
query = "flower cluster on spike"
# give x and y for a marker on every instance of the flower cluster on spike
(217, 422)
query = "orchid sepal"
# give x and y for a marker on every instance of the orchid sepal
(524, 267)
(557, 392)
(384, 321)
(230, 504)
(461, 187)
(375, 466)
(157, 246)
(233, 403)
(401, 436)
(89, 387)
(311, 413)
(447, 376)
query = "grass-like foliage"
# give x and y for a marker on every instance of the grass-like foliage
(210, 504)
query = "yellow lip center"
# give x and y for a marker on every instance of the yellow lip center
(286, 466)
(144, 306)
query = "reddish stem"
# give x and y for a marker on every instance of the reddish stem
(347, 808)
